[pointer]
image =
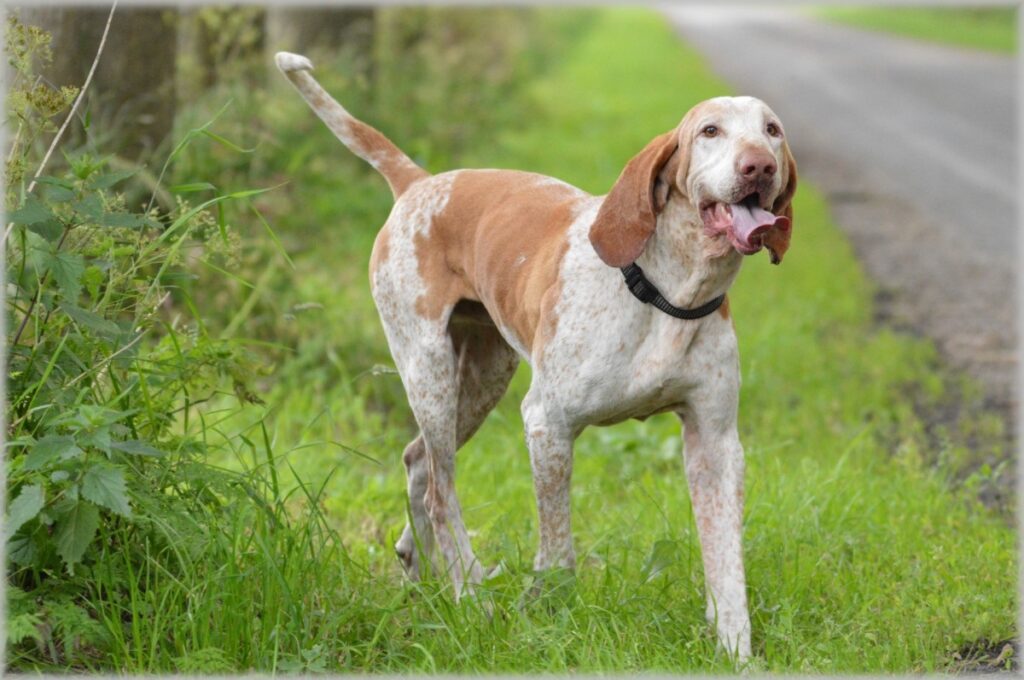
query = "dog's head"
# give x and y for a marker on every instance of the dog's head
(728, 158)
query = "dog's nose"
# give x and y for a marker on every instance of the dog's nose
(754, 164)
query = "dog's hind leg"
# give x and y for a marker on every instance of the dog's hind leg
(429, 372)
(417, 540)
(485, 365)
(452, 379)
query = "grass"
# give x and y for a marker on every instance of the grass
(986, 28)
(860, 556)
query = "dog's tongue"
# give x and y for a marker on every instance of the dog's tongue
(748, 227)
(750, 222)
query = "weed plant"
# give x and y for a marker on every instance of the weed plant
(115, 513)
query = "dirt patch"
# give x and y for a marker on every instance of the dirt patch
(984, 656)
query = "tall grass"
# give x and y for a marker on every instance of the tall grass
(118, 526)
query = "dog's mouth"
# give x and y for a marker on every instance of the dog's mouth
(745, 223)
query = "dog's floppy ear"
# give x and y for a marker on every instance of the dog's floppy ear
(627, 217)
(777, 240)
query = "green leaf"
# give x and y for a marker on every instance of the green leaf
(22, 550)
(109, 179)
(32, 211)
(137, 448)
(663, 555)
(100, 438)
(49, 449)
(91, 416)
(20, 442)
(51, 230)
(24, 508)
(50, 180)
(59, 194)
(94, 322)
(227, 142)
(194, 186)
(66, 269)
(90, 207)
(104, 485)
(24, 627)
(37, 252)
(76, 527)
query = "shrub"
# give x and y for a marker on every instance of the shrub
(108, 362)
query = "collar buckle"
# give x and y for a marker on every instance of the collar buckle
(638, 285)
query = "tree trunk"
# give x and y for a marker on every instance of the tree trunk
(132, 94)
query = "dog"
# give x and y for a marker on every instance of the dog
(617, 302)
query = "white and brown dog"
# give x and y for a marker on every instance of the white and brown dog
(475, 270)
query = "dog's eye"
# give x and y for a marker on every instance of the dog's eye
(709, 131)
(773, 130)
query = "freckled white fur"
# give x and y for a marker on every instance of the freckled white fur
(741, 122)
(611, 358)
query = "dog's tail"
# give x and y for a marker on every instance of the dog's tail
(363, 140)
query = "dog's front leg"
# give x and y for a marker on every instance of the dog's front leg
(550, 444)
(714, 471)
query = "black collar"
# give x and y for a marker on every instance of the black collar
(645, 292)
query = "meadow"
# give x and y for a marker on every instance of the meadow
(264, 488)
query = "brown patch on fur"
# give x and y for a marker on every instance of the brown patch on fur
(500, 241)
(724, 309)
(777, 241)
(627, 217)
(445, 285)
(396, 167)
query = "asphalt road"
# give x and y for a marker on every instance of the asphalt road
(915, 146)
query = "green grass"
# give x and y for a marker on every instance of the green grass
(986, 28)
(860, 557)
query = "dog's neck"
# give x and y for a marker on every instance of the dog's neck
(687, 266)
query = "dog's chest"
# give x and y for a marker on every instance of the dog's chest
(641, 366)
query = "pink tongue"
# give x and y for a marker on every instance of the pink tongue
(751, 221)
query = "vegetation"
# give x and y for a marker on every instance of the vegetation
(987, 28)
(161, 518)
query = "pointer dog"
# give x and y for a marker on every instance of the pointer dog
(475, 270)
